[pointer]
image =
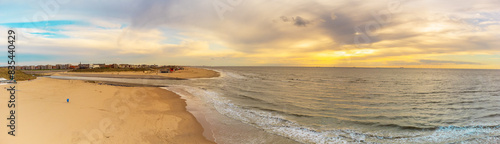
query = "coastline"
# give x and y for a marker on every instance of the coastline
(104, 113)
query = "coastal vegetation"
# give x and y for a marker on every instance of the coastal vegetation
(105, 69)
(19, 76)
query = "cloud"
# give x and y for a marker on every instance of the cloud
(284, 19)
(270, 32)
(297, 21)
(440, 62)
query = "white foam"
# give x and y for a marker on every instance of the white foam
(233, 75)
(260, 119)
(276, 124)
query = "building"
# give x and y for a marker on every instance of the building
(111, 66)
(164, 71)
(88, 66)
(123, 66)
(42, 67)
(83, 66)
(73, 66)
(62, 66)
(95, 66)
(101, 65)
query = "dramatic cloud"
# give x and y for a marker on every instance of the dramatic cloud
(392, 33)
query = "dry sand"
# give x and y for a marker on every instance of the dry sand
(187, 73)
(97, 114)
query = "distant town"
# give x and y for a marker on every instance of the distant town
(87, 66)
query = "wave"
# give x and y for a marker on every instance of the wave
(232, 75)
(274, 122)
(357, 129)
(491, 116)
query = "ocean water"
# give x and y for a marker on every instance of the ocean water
(343, 105)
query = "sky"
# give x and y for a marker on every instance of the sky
(313, 33)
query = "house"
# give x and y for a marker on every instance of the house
(101, 65)
(164, 70)
(42, 67)
(84, 66)
(62, 66)
(123, 66)
(111, 66)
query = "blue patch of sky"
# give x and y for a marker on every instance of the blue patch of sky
(123, 26)
(52, 26)
(50, 35)
(27, 57)
(42, 24)
(486, 17)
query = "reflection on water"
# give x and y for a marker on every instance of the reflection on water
(316, 105)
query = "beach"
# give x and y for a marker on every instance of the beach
(98, 113)
(262, 105)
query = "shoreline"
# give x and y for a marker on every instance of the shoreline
(111, 116)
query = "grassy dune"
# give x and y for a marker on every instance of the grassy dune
(111, 70)
(19, 76)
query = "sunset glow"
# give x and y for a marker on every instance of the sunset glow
(413, 34)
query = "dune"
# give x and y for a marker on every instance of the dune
(187, 73)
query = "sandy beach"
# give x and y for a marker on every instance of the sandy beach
(100, 113)
(187, 73)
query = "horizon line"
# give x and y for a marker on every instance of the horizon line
(366, 67)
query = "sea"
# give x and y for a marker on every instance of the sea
(341, 105)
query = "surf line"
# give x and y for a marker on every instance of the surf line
(12, 90)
